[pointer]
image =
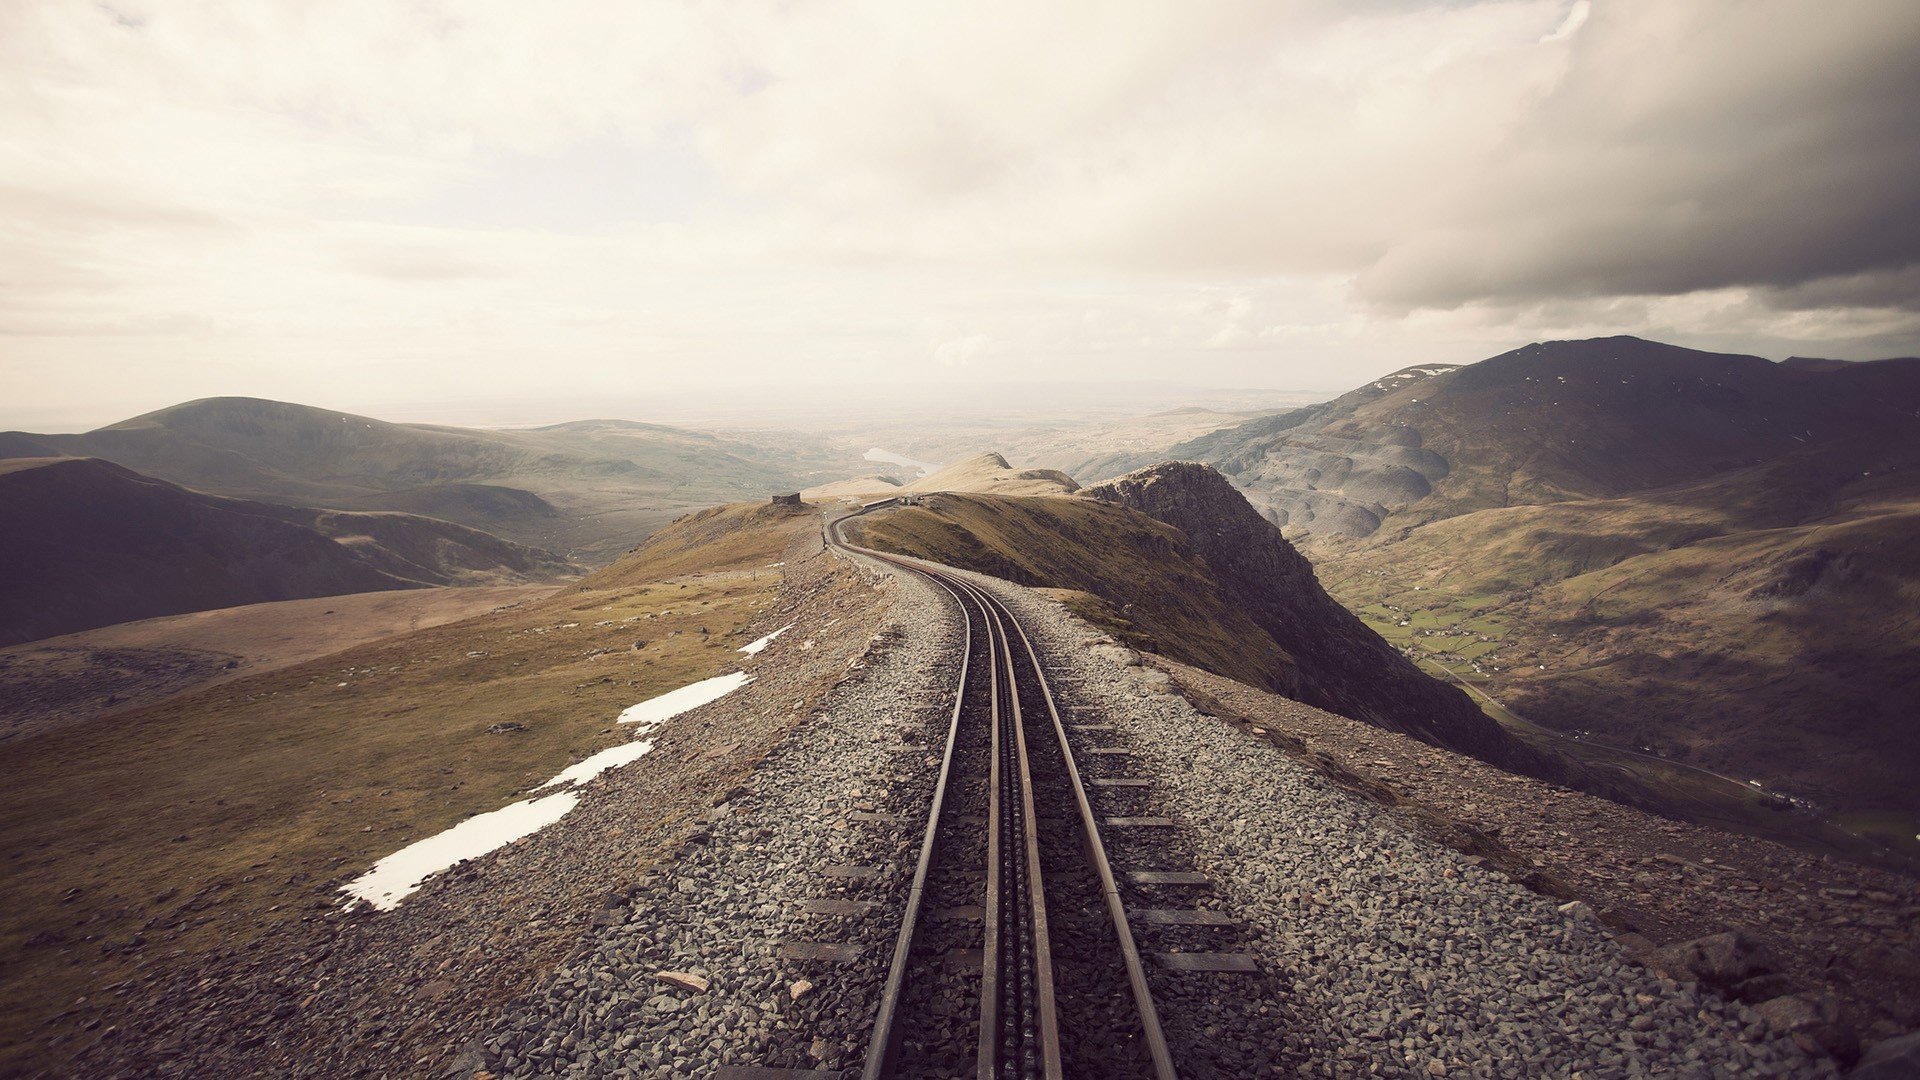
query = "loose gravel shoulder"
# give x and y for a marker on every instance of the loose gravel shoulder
(733, 898)
(1397, 957)
(708, 962)
(406, 992)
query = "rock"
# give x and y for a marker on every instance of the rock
(1814, 1022)
(1890, 1059)
(506, 728)
(1762, 987)
(1719, 960)
(471, 1059)
(800, 989)
(1578, 909)
(1638, 947)
(1341, 665)
(686, 980)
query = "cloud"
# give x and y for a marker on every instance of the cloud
(1690, 145)
(267, 194)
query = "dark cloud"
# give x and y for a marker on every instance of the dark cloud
(1695, 144)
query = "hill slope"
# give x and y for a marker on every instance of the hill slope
(1175, 561)
(985, 473)
(149, 825)
(591, 485)
(89, 543)
(1705, 555)
(1545, 423)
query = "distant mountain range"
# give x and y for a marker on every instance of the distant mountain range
(589, 489)
(1548, 423)
(1714, 556)
(89, 543)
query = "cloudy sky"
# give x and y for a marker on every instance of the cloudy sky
(392, 205)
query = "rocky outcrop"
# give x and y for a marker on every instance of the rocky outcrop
(1339, 664)
(989, 474)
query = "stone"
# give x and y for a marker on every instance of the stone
(1719, 960)
(1890, 1059)
(686, 980)
(1762, 987)
(1814, 1022)
(799, 989)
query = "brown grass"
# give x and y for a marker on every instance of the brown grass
(159, 833)
(1132, 576)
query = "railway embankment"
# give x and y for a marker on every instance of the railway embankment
(731, 900)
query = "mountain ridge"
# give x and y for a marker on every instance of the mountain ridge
(91, 543)
(606, 482)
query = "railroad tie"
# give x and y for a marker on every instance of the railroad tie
(1166, 877)
(869, 815)
(1089, 727)
(833, 952)
(1181, 917)
(852, 870)
(1120, 782)
(964, 961)
(1111, 751)
(1239, 963)
(823, 905)
(768, 1072)
(1141, 822)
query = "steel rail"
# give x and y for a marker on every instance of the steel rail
(996, 618)
(1156, 1039)
(1026, 968)
(886, 1033)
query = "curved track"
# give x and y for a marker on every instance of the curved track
(1009, 828)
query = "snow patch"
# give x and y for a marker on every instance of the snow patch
(611, 758)
(397, 876)
(754, 648)
(691, 696)
(400, 874)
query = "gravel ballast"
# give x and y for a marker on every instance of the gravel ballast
(1378, 952)
(844, 792)
(1396, 956)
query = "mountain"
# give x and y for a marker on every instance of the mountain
(1712, 557)
(1545, 423)
(589, 486)
(1336, 662)
(985, 473)
(88, 543)
(989, 474)
(1173, 560)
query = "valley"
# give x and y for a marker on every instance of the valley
(1650, 549)
(1727, 645)
(70, 679)
(586, 490)
(804, 541)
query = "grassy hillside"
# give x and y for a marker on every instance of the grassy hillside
(1759, 625)
(1132, 576)
(584, 488)
(89, 544)
(1706, 555)
(187, 825)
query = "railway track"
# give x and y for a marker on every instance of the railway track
(1014, 957)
